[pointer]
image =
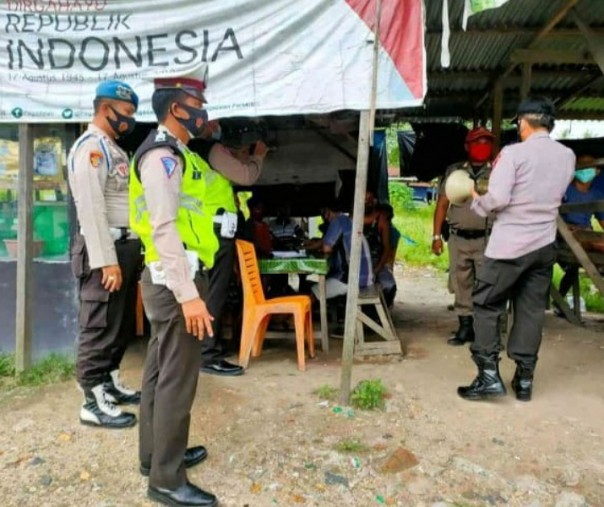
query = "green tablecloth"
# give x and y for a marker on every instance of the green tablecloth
(309, 265)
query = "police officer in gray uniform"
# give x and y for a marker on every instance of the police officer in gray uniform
(105, 256)
(468, 231)
(168, 209)
(526, 188)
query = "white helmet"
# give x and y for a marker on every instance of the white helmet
(458, 187)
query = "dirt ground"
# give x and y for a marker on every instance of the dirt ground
(272, 443)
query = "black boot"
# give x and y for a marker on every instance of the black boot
(488, 383)
(465, 333)
(118, 393)
(98, 410)
(522, 383)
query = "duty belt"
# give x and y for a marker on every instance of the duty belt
(119, 233)
(122, 233)
(470, 233)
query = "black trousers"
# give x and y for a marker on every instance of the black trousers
(169, 384)
(220, 276)
(107, 320)
(526, 282)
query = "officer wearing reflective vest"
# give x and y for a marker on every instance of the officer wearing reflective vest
(105, 256)
(468, 231)
(241, 168)
(168, 194)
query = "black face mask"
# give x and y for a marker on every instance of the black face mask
(197, 121)
(122, 125)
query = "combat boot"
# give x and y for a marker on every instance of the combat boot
(522, 383)
(465, 333)
(488, 383)
(98, 410)
(118, 393)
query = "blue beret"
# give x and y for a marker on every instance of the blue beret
(116, 90)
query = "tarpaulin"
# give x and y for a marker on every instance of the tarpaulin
(265, 57)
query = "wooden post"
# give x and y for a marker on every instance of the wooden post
(24, 284)
(374, 74)
(358, 213)
(525, 89)
(360, 187)
(497, 114)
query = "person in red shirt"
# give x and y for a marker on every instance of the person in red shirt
(256, 230)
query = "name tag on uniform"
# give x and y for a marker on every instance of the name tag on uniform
(229, 225)
(158, 275)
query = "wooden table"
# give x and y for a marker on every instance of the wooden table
(591, 262)
(305, 266)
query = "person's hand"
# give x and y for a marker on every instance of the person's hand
(475, 194)
(437, 246)
(198, 320)
(112, 278)
(312, 244)
(260, 150)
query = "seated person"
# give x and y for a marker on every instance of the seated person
(580, 191)
(376, 230)
(287, 234)
(256, 230)
(340, 228)
(385, 276)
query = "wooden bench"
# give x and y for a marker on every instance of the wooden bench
(391, 342)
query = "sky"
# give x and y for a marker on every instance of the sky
(578, 129)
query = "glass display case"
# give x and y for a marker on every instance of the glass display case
(51, 211)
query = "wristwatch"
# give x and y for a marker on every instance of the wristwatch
(436, 237)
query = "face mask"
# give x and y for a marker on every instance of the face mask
(480, 153)
(122, 125)
(196, 122)
(586, 175)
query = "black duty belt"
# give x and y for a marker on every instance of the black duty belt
(470, 233)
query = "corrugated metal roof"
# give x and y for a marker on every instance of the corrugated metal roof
(483, 51)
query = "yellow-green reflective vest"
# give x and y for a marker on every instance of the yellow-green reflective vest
(219, 193)
(194, 221)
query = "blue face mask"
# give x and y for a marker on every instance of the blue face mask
(586, 175)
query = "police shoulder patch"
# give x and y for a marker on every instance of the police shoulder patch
(96, 159)
(169, 164)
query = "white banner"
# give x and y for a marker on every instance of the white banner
(265, 57)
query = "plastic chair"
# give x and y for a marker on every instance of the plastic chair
(257, 310)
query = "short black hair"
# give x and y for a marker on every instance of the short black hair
(162, 99)
(334, 205)
(539, 112)
(539, 120)
(386, 209)
(254, 201)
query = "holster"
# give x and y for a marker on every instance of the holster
(80, 266)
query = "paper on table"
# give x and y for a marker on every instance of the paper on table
(288, 255)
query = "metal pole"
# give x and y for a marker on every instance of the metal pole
(24, 286)
(366, 124)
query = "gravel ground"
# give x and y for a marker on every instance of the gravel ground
(273, 443)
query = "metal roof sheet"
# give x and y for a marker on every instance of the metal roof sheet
(484, 50)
